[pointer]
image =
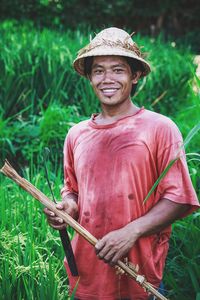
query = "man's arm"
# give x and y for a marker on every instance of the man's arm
(68, 204)
(116, 244)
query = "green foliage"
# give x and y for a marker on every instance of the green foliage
(6, 145)
(36, 69)
(53, 126)
(147, 16)
(55, 122)
(166, 88)
(26, 139)
(31, 256)
(74, 291)
(187, 116)
(182, 269)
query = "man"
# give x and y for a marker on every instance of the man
(110, 163)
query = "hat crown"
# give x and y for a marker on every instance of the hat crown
(111, 41)
(113, 34)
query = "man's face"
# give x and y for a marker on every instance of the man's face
(112, 79)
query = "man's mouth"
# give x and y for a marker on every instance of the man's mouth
(109, 91)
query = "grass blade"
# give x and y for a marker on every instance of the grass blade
(74, 290)
(187, 140)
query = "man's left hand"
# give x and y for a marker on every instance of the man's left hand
(115, 245)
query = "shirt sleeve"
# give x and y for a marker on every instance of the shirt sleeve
(70, 181)
(176, 184)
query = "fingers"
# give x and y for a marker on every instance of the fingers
(109, 256)
(58, 227)
(54, 221)
(48, 212)
(105, 252)
(113, 246)
(68, 206)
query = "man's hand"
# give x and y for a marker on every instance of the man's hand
(116, 244)
(69, 205)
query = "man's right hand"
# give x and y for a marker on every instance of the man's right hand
(68, 205)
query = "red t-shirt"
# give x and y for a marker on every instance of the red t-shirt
(112, 168)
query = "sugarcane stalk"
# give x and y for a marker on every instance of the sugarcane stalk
(10, 172)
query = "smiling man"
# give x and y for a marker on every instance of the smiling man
(111, 161)
(112, 81)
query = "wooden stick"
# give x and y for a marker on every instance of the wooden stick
(37, 194)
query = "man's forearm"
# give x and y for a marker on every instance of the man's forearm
(164, 213)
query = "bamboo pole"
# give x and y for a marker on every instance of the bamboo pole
(10, 172)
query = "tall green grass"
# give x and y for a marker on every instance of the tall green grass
(31, 256)
(36, 69)
(182, 271)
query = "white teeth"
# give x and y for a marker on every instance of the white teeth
(109, 90)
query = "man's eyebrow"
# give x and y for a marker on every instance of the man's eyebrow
(97, 66)
(113, 66)
(119, 65)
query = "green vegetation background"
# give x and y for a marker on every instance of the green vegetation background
(174, 17)
(41, 98)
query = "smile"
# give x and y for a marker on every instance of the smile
(109, 91)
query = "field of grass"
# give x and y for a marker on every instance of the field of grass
(41, 99)
(31, 258)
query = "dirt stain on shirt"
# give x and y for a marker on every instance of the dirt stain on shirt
(130, 196)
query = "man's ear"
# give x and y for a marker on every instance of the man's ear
(136, 77)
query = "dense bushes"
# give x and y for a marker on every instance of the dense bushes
(149, 16)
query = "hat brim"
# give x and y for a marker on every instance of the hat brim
(106, 51)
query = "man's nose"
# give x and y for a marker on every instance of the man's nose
(108, 77)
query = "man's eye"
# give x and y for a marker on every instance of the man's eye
(118, 70)
(98, 72)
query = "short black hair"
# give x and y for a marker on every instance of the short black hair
(88, 61)
(134, 64)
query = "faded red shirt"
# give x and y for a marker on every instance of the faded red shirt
(112, 168)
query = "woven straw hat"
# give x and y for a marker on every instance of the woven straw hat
(111, 41)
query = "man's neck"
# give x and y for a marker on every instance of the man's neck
(112, 113)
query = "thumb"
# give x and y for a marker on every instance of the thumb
(60, 206)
